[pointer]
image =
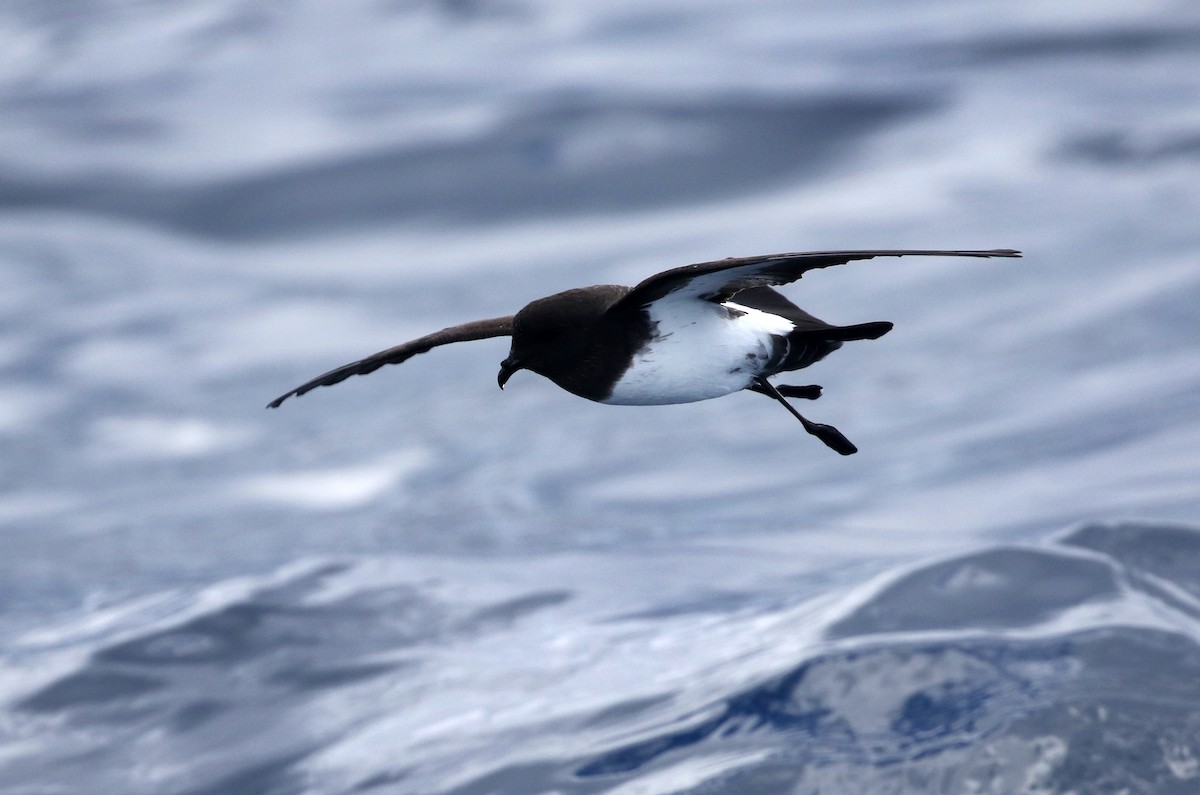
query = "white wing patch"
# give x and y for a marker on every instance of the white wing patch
(700, 351)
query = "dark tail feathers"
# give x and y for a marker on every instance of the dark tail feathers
(859, 331)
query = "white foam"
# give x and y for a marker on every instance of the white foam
(334, 489)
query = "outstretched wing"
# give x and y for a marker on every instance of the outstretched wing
(721, 279)
(476, 330)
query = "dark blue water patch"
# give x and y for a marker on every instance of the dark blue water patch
(461, 11)
(1169, 552)
(233, 634)
(624, 711)
(1129, 149)
(269, 649)
(778, 705)
(650, 23)
(509, 612)
(996, 588)
(781, 705)
(931, 708)
(1134, 41)
(1123, 747)
(276, 623)
(90, 688)
(197, 713)
(576, 157)
(523, 779)
(274, 776)
(712, 602)
(948, 709)
(386, 778)
(331, 677)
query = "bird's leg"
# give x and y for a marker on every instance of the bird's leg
(808, 392)
(828, 434)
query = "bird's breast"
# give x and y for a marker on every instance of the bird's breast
(699, 350)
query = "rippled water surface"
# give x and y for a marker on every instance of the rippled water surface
(414, 583)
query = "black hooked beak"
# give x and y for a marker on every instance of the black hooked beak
(507, 368)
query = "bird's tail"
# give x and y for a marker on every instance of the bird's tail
(859, 331)
(810, 345)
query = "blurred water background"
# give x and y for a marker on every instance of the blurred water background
(413, 583)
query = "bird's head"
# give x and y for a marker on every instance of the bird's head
(551, 335)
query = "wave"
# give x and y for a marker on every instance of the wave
(562, 157)
(1008, 669)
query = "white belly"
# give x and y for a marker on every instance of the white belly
(698, 352)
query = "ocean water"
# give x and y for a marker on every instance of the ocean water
(414, 583)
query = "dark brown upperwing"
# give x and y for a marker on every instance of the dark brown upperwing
(722, 279)
(475, 330)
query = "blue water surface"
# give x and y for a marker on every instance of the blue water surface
(414, 583)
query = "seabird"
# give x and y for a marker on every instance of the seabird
(686, 334)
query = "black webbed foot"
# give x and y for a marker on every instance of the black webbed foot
(832, 438)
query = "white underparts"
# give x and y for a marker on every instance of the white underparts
(700, 350)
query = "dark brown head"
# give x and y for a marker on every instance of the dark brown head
(552, 336)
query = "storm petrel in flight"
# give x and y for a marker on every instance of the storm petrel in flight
(686, 334)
